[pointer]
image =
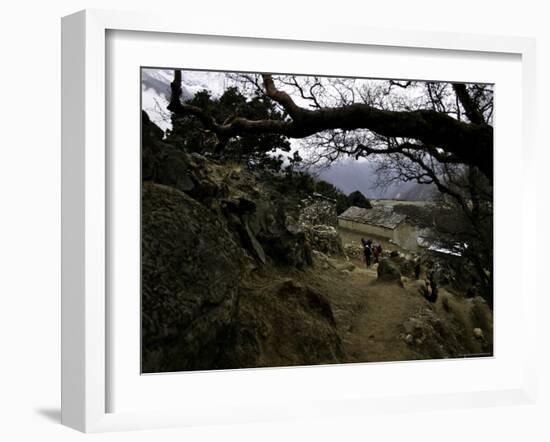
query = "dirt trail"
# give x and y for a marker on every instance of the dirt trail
(373, 332)
(386, 321)
(370, 316)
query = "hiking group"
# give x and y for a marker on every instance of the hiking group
(430, 290)
(372, 252)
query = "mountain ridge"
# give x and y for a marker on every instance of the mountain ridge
(350, 176)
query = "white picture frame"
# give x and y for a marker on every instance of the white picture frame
(85, 207)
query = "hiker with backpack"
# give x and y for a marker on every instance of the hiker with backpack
(376, 252)
(367, 250)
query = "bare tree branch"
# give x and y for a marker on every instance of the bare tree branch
(470, 107)
(472, 143)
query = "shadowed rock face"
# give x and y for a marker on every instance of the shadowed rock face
(287, 323)
(258, 216)
(190, 280)
(208, 230)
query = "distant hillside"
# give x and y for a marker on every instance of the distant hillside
(361, 175)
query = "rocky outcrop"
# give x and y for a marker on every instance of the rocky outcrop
(406, 267)
(463, 327)
(388, 271)
(190, 282)
(429, 335)
(207, 229)
(165, 164)
(325, 239)
(288, 323)
(307, 297)
(258, 216)
(282, 239)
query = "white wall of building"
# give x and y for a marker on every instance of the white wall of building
(367, 229)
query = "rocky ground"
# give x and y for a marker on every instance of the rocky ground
(392, 320)
(234, 275)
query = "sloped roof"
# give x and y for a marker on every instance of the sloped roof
(377, 216)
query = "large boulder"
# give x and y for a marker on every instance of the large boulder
(190, 282)
(283, 240)
(388, 271)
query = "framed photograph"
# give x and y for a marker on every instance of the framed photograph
(265, 223)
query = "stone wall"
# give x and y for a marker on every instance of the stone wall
(318, 211)
(325, 239)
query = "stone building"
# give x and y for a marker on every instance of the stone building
(382, 222)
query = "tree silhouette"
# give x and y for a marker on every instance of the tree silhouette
(357, 199)
(462, 134)
(257, 150)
